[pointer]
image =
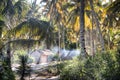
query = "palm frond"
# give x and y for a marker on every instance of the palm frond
(19, 5)
(9, 9)
(21, 43)
(68, 5)
(113, 7)
(35, 28)
(113, 16)
(31, 25)
(24, 42)
(72, 15)
(3, 3)
(2, 22)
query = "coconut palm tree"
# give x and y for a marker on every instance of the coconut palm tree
(82, 28)
(54, 11)
(11, 15)
(8, 11)
(57, 12)
(34, 28)
(97, 25)
(111, 24)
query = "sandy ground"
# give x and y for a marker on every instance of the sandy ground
(35, 73)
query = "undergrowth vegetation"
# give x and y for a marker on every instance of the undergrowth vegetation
(5, 72)
(102, 66)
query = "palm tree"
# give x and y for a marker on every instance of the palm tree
(111, 23)
(34, 29)
(82, 29)
(97, 25)
(58, 11)
(8, 12)
(55, 13)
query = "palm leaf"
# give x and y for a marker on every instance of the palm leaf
(21, 43)
(35, 27)
(113, 7)
(24, 42)
(2, 23)
(31, 25)
(112, 12)
(3, 3)
(18, 7)
(9, 9)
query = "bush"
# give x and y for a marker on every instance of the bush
(23, 69)
(5, 72)
(55, 69)
(73, 70)
(102, 66)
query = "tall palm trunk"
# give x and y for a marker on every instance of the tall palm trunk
(63, 37)
(59, 40)
(97, 25)
(82, 29)
(9, 54)
(1, 29)
(92, 40)
(108, 36)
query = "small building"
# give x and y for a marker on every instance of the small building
(41, 56)
(46, 56)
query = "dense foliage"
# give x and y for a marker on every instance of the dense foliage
(93, 26)
(5, 72)
(102, 66)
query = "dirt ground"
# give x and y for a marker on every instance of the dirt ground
(39, 73)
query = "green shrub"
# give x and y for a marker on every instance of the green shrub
(56, 57)
(102, 66)
(5, 72)
(24, 69)
(73, 70)
(55, 69)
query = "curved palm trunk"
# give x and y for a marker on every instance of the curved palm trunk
(97, 25)
(82, 30)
